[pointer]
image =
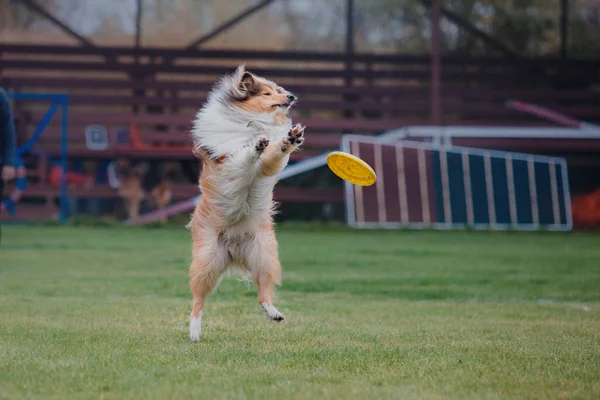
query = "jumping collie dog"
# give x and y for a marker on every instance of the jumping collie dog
(244, 136)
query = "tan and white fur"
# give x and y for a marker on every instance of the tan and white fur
(244, 136)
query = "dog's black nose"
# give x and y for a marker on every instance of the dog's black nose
(291, 98)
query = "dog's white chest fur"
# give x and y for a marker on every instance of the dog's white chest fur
(241, 193)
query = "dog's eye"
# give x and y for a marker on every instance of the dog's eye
(266, 94)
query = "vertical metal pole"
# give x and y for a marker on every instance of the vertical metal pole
(349, 27)
(564, 28)
(138, 25)
(349, 52)
(135, 77)
(436, 112)
(64, 157)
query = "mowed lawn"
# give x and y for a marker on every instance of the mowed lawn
(89, 313)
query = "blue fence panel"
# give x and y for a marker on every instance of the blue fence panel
(58, 100)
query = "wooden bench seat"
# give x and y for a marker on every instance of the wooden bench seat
(415, 92)
(478, 106)
(399, 72)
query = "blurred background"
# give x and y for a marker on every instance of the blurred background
(525, 73)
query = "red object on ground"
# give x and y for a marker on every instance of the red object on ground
(586, 209)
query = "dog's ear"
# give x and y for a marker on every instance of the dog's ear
(238, 75)
(240, 85)
(247, 83)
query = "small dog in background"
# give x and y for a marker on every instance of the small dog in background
(162, 193)
(130, 186)
(244, 136)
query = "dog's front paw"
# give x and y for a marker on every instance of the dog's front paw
(296, 134)
(262, 144)
(294, 138)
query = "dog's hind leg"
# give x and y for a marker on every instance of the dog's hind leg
(266, 288)
(205, 272)
(263, 262)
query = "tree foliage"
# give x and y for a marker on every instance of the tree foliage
(528, 27)
(16, 15)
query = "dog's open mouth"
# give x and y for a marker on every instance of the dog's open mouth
(285, 105)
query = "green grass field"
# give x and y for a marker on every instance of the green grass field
(88, 313)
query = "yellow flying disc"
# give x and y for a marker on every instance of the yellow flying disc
(351, 168)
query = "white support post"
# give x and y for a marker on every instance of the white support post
(489, 186)
(424, 186)
(358, 193)
(554, 193)
(382, 212)
(510, 182)
(468, 191)
(535, 214)
(348, 191)
(402, 195)
(566, 194)
(445, 186)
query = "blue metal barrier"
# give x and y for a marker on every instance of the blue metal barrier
(57, 100)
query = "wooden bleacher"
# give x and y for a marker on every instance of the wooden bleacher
(159, 91)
